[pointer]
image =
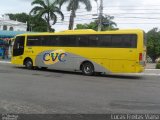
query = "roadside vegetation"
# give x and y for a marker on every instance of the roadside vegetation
(158, 65)
(47, 10)
(153, 44)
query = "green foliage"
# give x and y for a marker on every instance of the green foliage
(33, 23)
(37, 24)
(107, 24)
(153, 43)
(21, 17)
(158, 65)
(91, 25)
(47, 10)
(73, 6)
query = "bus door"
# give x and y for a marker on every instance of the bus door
(18, 47)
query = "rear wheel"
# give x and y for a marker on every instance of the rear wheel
(29, 64)
(88, 68)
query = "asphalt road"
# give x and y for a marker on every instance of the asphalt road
(36, 91)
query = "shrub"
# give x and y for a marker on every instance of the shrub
(158, 65)
(157, 60)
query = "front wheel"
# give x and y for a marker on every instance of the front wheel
(88, 68)
(29, 64)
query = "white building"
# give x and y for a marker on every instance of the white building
(11, 25)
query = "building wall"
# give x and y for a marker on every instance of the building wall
(17, 26)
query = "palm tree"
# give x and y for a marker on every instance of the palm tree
(47, 10)
(73, 6)
(108, 23)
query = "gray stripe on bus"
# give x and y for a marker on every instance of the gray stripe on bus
(72, 63)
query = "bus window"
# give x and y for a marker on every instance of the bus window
(68, 41)
(18, 48)
(93, 40)
(72, 41)
(126, 41)
(117, 41)
(49, 40)
(133, 39)
(34, 41)
(82, 41)
(104, 41)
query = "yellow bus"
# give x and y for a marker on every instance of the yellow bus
(119, 51)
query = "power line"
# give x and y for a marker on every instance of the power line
(133, 6)
(116, 14)
(67, 13)
(135, 13)
(109, 8)
(138, 23)
(141, 18)
(119, 17)
(117, 23)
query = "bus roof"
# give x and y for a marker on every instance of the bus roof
(85, 31)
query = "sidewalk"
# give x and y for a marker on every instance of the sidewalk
(151, 66)
(5, 61)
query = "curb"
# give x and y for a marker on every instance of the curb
(6, 62)
(152, 69)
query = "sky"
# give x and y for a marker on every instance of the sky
(142, 14)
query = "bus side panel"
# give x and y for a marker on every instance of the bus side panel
(123, 60)
(104, 59)
(18, 60)
(71, 62)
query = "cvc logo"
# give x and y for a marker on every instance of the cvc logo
(54, 57)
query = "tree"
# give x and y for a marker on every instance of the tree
(107, 24)
(33, 24)
(73, 6)
(21, 17)
(91, 25)
(153, 43)
(47, 10)
(37, 24)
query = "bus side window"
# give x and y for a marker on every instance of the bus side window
(104, 41)
(72, 41)
(133, 41)
(49, 40)
(34, 41)
(126, 41)
(117, 41)
(67, 40)
(93, 40)
(82, 41)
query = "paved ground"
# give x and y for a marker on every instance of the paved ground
(151, 66)
(35, 91)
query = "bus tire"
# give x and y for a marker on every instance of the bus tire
(87, 68)
(28, 64)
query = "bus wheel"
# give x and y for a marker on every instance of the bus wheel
(88, 68)
(29, 64)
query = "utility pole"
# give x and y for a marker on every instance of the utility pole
(100, 16)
